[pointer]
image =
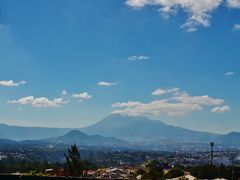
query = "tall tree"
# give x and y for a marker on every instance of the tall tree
(74, 162)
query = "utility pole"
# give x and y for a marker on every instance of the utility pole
(211, 144)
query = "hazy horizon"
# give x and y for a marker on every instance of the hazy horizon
(72, 63)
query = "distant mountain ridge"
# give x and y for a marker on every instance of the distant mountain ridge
(232, 138)
(144, 129)
(80, 138)
(7, 142)
(72, 137)
(30, 133)
(2, 136)
(117, 129)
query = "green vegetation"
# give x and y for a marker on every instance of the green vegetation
(75, 165)
(34, 173)
(26, 166)
(152, 170)
(177, 171)
(74, 162)
(212, 172)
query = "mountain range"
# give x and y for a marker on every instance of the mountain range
(79, 138)
(30, 133)
(116, 130)
(143, 129)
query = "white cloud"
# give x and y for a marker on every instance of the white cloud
(11, 83)
(236, 27)
(39, 102)
(229, 74)
(82, 96)
(198, 11)
(160, 91)
(178, 105)
(127, 104)
(22, 82)
(156, 108)
(138, 58)
(221, 109)
(201, 100)
(233, 3)
(104, 83)
(167, 11)
(64, 92)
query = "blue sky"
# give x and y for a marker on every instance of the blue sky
(71, 63)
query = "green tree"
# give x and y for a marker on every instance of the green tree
(154, 170)
(205, 171)
(174, 172)
(74, 162)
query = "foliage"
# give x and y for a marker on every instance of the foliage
(37, 167)
(175, 172)
(154, 170)
(74, 162)
(182, 178)
(26, 166)
(34, 173)
(212, 172)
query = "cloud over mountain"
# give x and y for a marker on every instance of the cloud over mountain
(177, 105)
